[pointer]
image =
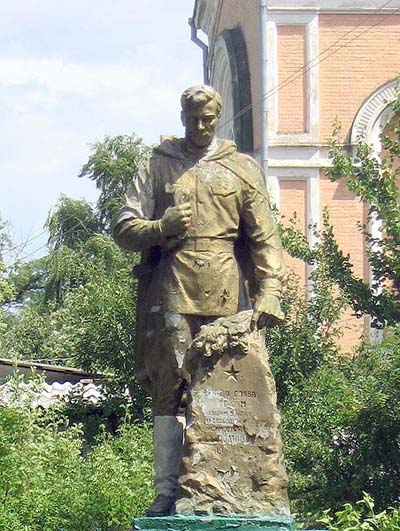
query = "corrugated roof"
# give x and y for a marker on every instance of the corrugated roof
(74, 383)
(47, 394)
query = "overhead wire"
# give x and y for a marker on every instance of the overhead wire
(23, 244)
(66, 232)
(316, 60)
(290, 79)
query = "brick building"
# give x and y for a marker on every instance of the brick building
(284, 81)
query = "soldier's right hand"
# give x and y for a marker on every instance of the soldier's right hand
(176, 220)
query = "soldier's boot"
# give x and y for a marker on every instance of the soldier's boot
(168, 438)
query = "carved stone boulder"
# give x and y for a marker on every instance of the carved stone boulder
(233, 462)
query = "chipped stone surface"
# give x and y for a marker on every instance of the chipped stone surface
(233, 449)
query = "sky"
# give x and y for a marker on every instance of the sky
(72, 72)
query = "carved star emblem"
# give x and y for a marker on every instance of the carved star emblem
(232, 373)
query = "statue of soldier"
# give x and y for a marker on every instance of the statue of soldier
(199, 213)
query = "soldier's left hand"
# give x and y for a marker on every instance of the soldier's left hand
(261, 320)
(172, 243)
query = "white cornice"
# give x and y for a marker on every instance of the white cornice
(336, 11)
(333, 6)
(297, 158)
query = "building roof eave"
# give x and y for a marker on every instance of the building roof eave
(205, 15)
(48, 367)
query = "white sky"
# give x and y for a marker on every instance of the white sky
(71, 72)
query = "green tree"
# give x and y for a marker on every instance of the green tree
(71, 223)
(362, 517)
(375, 180)
(7, 287)
(342, 430)
(111, 166)
(308, 336)
(76, 304)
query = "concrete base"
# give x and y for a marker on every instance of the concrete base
(215, 523)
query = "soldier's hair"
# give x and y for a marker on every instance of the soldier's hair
(200, 95)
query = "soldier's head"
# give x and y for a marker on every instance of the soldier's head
(201, 109)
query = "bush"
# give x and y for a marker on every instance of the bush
(362, 518)
(342, 430)
(308, 335)
(47, 484)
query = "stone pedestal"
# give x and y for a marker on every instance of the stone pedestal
(214, 523)
(233, 463)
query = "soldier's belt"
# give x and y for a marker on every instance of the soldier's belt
(207, 244)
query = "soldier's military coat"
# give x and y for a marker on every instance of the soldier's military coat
(232, 236)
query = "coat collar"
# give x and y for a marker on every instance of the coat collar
(176, 148)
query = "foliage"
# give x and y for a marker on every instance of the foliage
(96, 324)
(373, 450)
(309, 335)
(342, 430)
(48, 484)
(7, 288)
(312, 420)
(111, 165)
(76, 305)
(28, 279)
(25, 334)
(362, 517)
(375, 182)
(341, 421)
(87, 319)
(71, 223)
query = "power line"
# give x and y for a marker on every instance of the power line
(66, 232)
(33, 252)
(314, 62)
(9, 250)
(80, 222)
(23, 244)
(307, 66)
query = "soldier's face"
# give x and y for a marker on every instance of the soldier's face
(200, 123)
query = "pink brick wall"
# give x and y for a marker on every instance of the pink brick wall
(354, 72)
(345, 212)
(347, 78)
(292, 97)
(293, 199)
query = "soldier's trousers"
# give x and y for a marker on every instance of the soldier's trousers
(168, 336)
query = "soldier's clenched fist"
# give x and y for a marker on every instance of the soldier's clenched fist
(176, 220)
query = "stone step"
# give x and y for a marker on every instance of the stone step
(215, 523)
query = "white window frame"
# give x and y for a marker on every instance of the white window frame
(310, 21)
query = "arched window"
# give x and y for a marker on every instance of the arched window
(230, 75)
(373, 116)
(369, 124)
(222, 81)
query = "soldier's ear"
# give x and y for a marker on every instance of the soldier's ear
(183, 119)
